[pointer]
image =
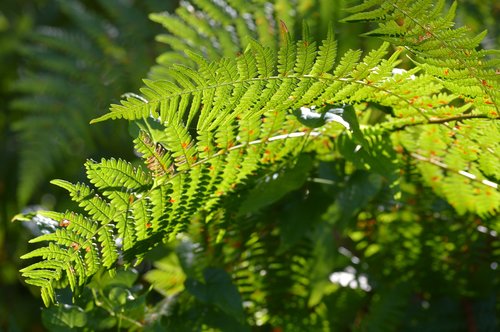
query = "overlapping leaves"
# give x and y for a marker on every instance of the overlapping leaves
(205, 132)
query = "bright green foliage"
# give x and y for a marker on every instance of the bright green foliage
(208, 28)
(232, 172)
(461, 156)
(450, 55)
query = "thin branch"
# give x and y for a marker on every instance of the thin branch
(444, 120)
(468, 175)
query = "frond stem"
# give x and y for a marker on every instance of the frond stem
(442, 165)
(265, 79)
(445, 120)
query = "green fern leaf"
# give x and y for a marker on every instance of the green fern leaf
(209, 131)
(327, 54)
(422, 29)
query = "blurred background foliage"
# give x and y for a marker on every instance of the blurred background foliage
(413, 265)
(61, 64)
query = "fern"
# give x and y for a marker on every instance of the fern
(91, 57)
(448, 54)
(219, 29)
(184, 163)
(209, 131)
(266, 267)
(451, 57)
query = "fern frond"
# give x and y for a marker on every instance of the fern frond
(208, 130)
(161, 98)
(157, 160)
(119, 173)
(74, 249)
(450, 55)
(454, 157)
(241, 112)
(87, 199)
(327, 55)
(87, 56)
(218, 29)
